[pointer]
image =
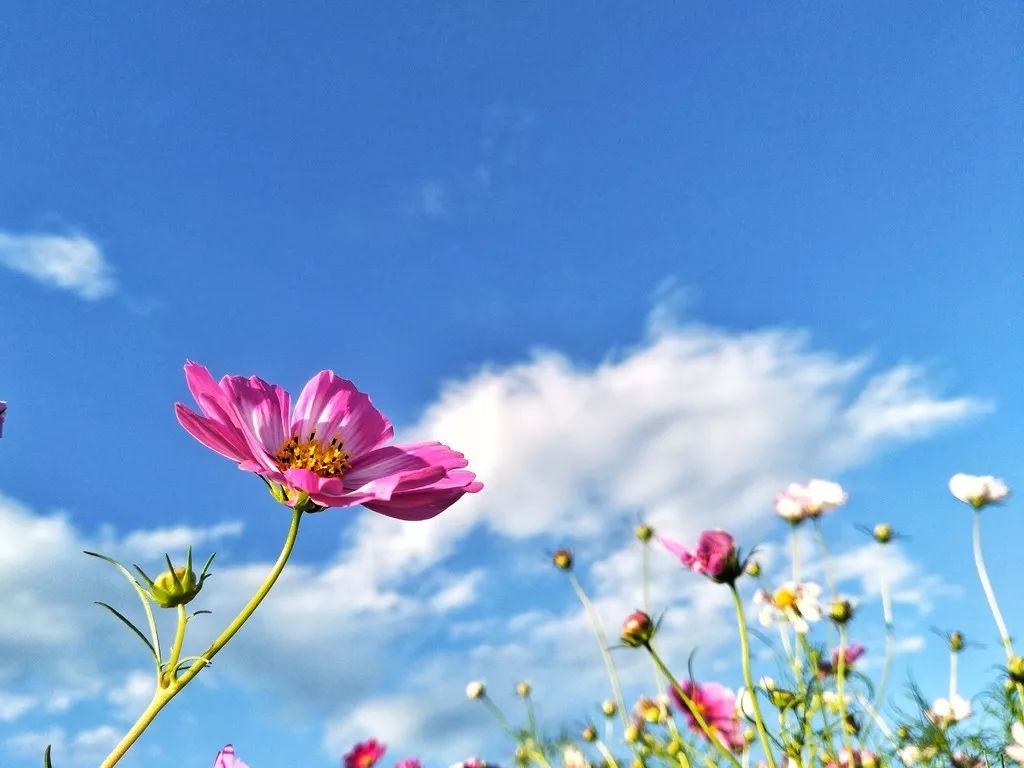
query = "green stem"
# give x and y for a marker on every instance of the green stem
(694, 709)
(164, 695)
(170, 675)
(748, 680)
(840, 690)
(602, 643)
(606, 754)
(883, 680)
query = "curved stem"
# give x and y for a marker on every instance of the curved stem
(883, 680)
(748, 680)
(164, 695)
(990, 595)
(691, 705)
(602, 643)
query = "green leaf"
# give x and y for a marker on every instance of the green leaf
(130, 626)
(143, 596)
(46, 758)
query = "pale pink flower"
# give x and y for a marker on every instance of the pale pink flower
(1015, 751)
(365, 754)
(801, 502)
(859, 758)
(945, 712)
(978, 490)
(409, 762)
(715, 556)
(717, 705)
(226, 759)
(851, 653)
(330, 450)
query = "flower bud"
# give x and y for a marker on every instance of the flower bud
(175, 587)
(753, 568)
(589, 734)
(1016, 669)
(562, 559)
(841, 611)
(631, 733)
(636, 763)
(609, 708)
(882, 533)
(476, 690)
(902, 732)
(523, 689)
(956, 641)
(643, 532)
(637, 630)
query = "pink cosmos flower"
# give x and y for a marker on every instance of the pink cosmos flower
(851, 653)
(717, 705)
(409, 762)
(330, 450)
(716, 556)
(226, 759)
(3, 416)
(365, 754)
(859, 758)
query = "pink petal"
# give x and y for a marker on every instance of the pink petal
(686, 557)
(217, 437)
(262, 413)
(330, 405)
(420, 505)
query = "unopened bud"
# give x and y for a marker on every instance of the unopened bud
(753, 568)
(476, 690)
(631, 733)
(841, 611)
(637, 630)
(882, 533)
(851, 725)
(562, 559)
(173, 588)
(1016, 669)
(956, 641)
(749, 735)
(902, 732)
(643, 532)
(609, 708)
(523, 689)
(590, 733)
(636, 763)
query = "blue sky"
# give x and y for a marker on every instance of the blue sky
(655, 261)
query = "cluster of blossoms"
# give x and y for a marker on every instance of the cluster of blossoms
(821, 710)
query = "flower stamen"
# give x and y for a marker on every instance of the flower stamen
(330, 460)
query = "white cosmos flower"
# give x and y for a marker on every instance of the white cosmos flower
(475, 690)
(794, 602)
(945, 712)
(800, 502)
(978, 490)
(1015, 751)
(572, 757)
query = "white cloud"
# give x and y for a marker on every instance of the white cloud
(78, 750)
(432, 199)
(69, 262)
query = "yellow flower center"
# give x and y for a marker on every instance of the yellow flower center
(330, 460)
(785, 598)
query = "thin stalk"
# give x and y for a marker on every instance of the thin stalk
(840, 690)
(606, 754)
(694, 710)
(826, 560)
(953, 658)
(168, 677)
(602, 642)
(883, 680)
(990, 595)
(164, 695)
(748, 680)
(794, 544)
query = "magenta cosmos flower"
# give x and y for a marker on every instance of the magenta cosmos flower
(226, 759)
(365, 754)
(716, 556)
(717, 705)
(330, 450)
(851, 654)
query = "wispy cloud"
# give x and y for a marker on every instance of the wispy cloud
(71, 262)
